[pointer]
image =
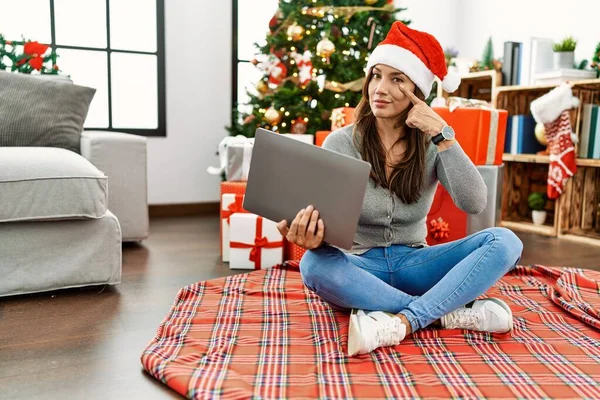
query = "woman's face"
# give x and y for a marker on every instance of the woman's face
(385, 98)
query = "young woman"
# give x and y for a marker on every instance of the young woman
(394, 283)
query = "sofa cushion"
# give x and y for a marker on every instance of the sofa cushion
(45, 183)
(42, 112)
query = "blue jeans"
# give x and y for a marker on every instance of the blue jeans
(421, 283)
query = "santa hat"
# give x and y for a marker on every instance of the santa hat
(417, 54)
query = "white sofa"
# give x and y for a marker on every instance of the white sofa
(63, 216)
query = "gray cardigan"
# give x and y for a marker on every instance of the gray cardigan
(386, 220)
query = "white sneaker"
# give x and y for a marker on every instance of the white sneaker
(487, 315)
(368, 331)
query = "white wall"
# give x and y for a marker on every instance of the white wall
(437, 17)
(198, 80)
(519, 20)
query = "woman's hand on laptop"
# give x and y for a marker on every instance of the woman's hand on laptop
(307, 229)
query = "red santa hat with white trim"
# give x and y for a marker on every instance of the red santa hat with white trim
(417, 54)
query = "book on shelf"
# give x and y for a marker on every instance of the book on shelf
(558, 76)
(520, 136)
(511, 67)
(589, 143)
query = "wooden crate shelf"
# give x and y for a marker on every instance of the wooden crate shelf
(576, 214)
(543, 159)
(475, 85)
(580, 210)
(521, 179)
(546, 230)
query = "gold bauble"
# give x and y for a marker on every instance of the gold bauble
(325, 48)
(540, 134)
(262, 87)
(296, 32)
(370, 2)
(272, 116)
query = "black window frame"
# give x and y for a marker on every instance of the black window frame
(161, 130)
(234, 57)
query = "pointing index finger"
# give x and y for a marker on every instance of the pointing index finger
(411, 96)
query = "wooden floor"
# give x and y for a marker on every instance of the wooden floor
(86, 343)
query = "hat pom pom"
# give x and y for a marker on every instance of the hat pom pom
(451, 82)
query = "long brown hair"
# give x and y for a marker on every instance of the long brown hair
(407, 177)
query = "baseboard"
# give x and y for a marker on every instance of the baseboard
(180, 210)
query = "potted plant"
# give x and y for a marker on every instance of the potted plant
(537, 203)
(564, 53)
(596, 60)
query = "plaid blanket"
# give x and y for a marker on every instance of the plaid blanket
(263, 335)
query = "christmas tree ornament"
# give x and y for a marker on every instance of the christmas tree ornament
(418, 54)
(276, 20)
(299, 126)
(274, 68)
(371, 22)
(552, 110)
(325, 48)
(371, 2)
(305, 66)
(272, 116)
(277, 74)
(540, 134)
(262, 87)
(250, 118)
(336, 32)
(295, 32)
(325, 115)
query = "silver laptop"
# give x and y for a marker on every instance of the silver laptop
(287, 175)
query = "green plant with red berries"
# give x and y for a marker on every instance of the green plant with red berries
(26, 57)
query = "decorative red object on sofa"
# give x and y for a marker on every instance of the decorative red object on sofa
(445, 221)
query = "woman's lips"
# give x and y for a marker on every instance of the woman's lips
(381, 103)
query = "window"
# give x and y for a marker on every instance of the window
(250, 25)
(115, 46)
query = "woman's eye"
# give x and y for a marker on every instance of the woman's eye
(398, 80)
(376, 76)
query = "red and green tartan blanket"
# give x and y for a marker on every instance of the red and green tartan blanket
(264, 335)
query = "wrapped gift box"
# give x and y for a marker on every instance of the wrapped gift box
(230, 204)
(239, 156)
(235, 153)
(293, 252)
(231, 188)
(309, 139)
(490, 216)
(255, 242)
(480, 132)
(445, 221)
(341, 117)
(320, 137)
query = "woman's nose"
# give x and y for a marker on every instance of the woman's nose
(381, 88)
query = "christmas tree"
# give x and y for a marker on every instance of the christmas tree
(596, 60)
(313, 62)
(487, 58)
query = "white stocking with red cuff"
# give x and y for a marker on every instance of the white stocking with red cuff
(552, 110)
(562, 154)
